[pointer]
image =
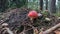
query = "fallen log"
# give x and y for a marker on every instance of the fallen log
(51, 29)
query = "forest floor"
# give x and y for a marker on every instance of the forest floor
(19, 23)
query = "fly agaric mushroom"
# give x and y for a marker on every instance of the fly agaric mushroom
(33, 14)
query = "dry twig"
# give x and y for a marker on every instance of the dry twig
(51, 29)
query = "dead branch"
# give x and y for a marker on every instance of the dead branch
(51, 29)
(9, 31)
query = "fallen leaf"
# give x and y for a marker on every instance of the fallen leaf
(57, 32)
(35, 31)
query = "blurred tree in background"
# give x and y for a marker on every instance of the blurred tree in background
(33, 4)
(41, 5)
(4, 4)
(17, 3)
(50, 5)
(59, 4)
(46, 4)
(53, 6)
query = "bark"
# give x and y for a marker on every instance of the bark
(20, 3)
(46, 4)
(53, 6)
(51, 29)
(59, 5)
(3, 5)
(41, 4)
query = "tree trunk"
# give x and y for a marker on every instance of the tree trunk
(52, 6)
(20, 3)
(59, 5)
(3, 5)
(46, 4)
(41, 5)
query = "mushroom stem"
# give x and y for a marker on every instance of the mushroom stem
(31, 20)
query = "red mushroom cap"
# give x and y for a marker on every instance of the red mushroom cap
(33, 14)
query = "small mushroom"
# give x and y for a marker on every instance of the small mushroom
(47, 19)
(59, 18)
